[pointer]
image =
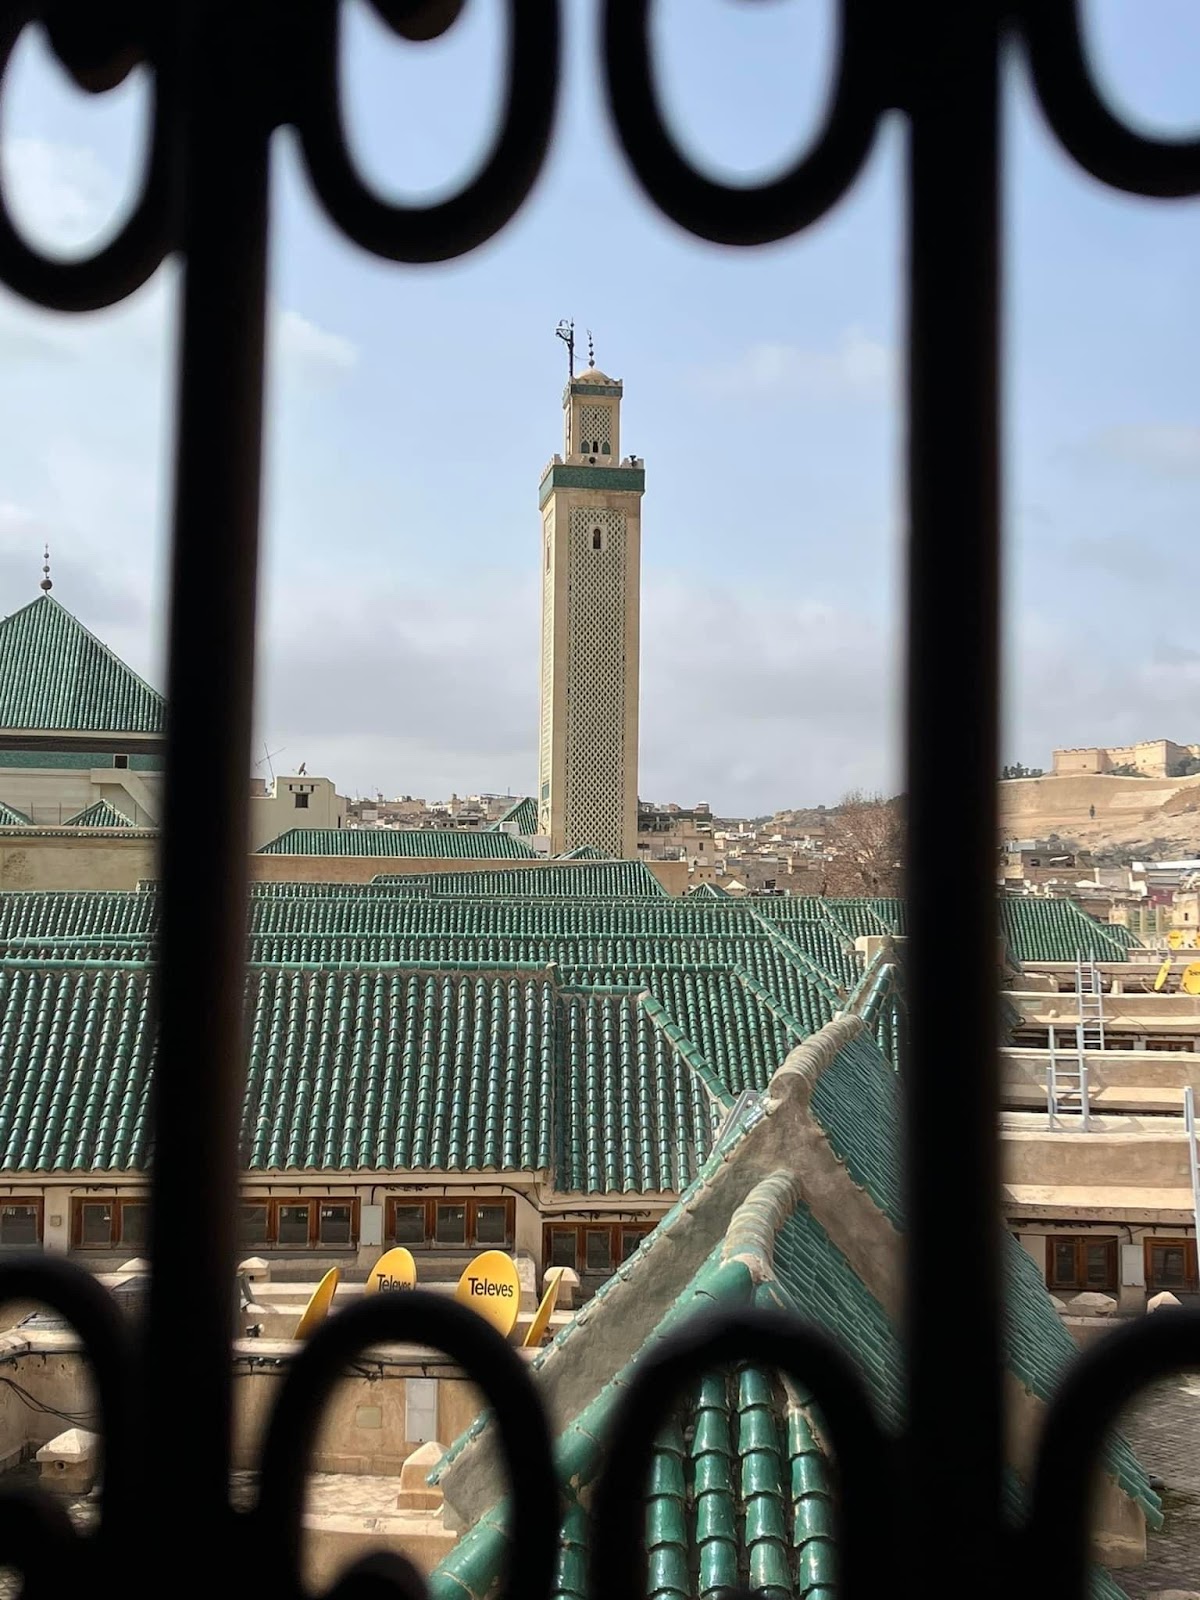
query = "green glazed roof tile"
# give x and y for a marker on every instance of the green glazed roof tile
(362, 1068)
(606, 880)
(55, 675)
(523, 813)
(740, 1493)
(100, 814)
(1056, 930)
(10, 817)
(469, 843)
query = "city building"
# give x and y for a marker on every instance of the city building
(591, 509)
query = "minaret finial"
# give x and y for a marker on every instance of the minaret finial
(566, 332)
(46, 585)
(591, 349)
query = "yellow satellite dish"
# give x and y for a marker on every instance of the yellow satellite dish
(1162, 973)
(1190, 982)
(318, 1305)
(490, 1286)
(1174, 938)
(541, 1317)
(396, 1269)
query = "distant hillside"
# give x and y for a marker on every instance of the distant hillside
(1103, 813)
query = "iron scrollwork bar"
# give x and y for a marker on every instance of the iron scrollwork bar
(225, 75)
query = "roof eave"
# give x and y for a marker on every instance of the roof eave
(102, 742)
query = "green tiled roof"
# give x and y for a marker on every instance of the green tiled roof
(708, 891)
(740, 990)
(1056, 930)
(10, 817)
(634, 1116)
(100, 814)
(524, 813)
(375, 1068)
(604, 880)
(582, 852)
(55, 675)
(470, 843)
(740, 1486)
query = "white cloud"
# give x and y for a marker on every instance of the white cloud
(857, 367)
(309, 349)
(61, 195)
(748, 700)
(1166, 449)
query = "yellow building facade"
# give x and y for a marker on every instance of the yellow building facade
(591, 502)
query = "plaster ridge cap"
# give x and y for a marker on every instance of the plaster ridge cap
(754, 1226)
(796, 1079)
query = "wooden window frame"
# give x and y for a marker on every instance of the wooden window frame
(1081, 1242)
(1154, 1242)
(116, 1229)
(38, 1202)
(430, 1203)
(581, 1230)
(275, 1202)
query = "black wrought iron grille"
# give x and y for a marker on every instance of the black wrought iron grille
(226, 74)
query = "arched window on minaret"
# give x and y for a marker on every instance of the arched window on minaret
(597, 539)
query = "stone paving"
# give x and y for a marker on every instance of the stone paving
(1164, 1428)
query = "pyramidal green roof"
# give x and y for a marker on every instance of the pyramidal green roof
(524, 813)
(100, 814)
(10, 817)
(55, 675)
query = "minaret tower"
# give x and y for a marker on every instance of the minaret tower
(591, 503)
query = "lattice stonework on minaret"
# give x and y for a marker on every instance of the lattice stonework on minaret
(595, 430)
(595, 775)
(545, 753)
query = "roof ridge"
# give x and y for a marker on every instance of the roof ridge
(801, 1069)
(755, 1224)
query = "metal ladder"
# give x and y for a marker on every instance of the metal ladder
(1067, 1080)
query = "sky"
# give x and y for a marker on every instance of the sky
(411, 412)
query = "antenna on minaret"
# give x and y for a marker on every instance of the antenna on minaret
(46, 585)
(566, 332)
(591, 349)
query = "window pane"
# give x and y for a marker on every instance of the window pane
(408, 1225)
(95, 1223)
(1064, 1262)
(491, 1224)
(630, 1239)
(562, 1247)
(1098, 1276)
(293, 1224)
(451, 1225)
(335, 1223)
(1169, 1266)
(135, 1217)
(598, 1250)
(19, 1225)
(252, 1225)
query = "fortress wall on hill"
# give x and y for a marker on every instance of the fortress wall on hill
(1037, 806)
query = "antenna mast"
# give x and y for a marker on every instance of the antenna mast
(566, 332)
